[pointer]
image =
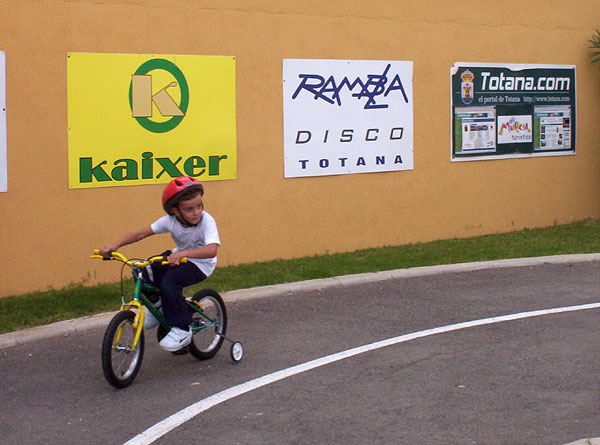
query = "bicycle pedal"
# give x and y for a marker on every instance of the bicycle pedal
(182, 351)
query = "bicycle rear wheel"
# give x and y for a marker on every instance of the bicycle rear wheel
(119, 362)
(207, 341)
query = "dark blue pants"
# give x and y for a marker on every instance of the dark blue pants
(172, 280)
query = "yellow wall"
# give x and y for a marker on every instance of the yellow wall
(47, 230)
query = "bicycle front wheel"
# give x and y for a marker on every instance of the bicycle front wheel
(120, 362)
(212, 322)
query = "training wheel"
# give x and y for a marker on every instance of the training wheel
(237, 351)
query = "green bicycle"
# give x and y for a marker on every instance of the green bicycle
(123, 343)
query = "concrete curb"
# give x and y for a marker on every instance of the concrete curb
(80, 325)
(67, 327)
(348, 280)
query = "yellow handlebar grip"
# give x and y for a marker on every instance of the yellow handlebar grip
(181, 261)
(164, 262)
(119, 256)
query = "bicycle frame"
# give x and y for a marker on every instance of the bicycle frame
(124, 341)
(139, 301)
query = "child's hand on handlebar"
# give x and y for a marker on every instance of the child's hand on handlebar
(106, 250)
(175, 258)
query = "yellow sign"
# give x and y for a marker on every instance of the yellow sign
(145, 119)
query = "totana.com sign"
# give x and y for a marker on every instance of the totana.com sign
(512, 110)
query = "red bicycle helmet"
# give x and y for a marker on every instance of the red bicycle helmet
(176, 189)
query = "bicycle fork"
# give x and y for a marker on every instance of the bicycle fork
(138, 325)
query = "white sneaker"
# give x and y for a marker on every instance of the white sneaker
(176, 339)
(150, 321)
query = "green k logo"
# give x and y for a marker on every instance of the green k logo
(141, 99)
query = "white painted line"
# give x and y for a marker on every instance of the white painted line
(160, 429)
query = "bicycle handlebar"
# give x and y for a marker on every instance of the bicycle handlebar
(133, 263)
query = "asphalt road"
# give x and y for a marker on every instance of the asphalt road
(534, 380)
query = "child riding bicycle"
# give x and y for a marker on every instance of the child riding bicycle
(195, 234)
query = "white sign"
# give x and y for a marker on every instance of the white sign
(515, 129)
(3, 169)
(347, 116)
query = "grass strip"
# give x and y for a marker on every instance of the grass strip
(39, 308)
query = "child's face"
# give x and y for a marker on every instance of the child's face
(190, 210)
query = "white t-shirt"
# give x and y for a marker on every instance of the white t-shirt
(191, 237)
